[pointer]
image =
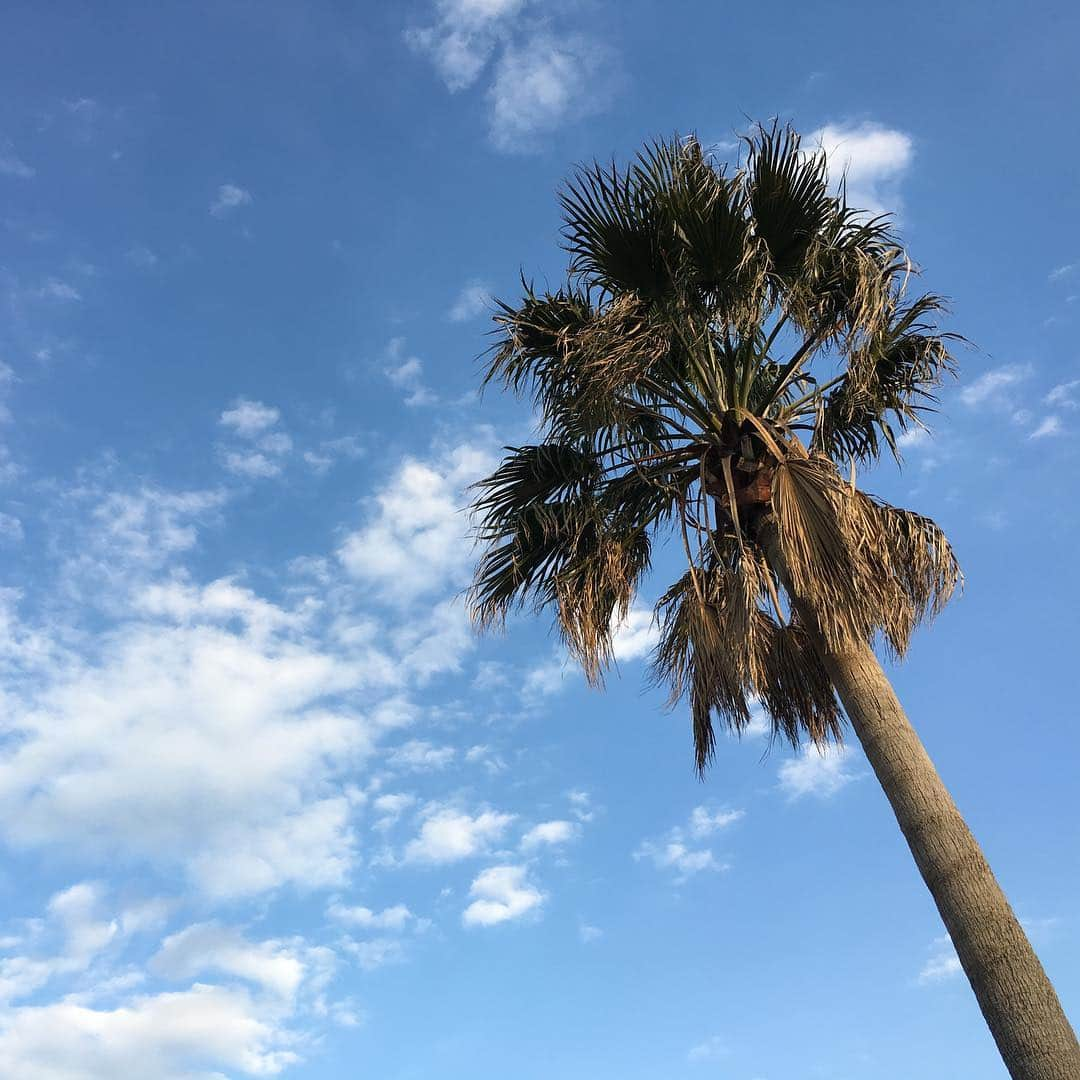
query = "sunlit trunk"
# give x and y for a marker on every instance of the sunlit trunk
(1017, 1000)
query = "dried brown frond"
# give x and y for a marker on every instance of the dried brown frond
(864, 566)
(796, 690)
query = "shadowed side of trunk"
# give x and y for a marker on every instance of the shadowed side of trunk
(1017, 999)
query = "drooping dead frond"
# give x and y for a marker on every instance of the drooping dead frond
(864, 566)
(921, 558)
(796, 690)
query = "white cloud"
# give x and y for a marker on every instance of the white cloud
(673, 852)
(170, 1036)
(540, 84)
(473, 300)
(263, 448)
(407, 374)
(449, 835)
(463, 37)
(141, 256)
(376, 952)
(712, 1049)
(251, 464)
(389, 809)
(818, 772)
(549, 834)
(11, 529)
(13, 165)
(540, 76)
(55, 289)
(871, 157)
(992, 386)
(1065, 395)
(417, 541)
(418, 755)
(204, 947)
(1049, 425)
(675, 855)
(942, 964)
(391, 918)
(249, 418)
(1063, 271)
(205, 735)
(636, 636)
(501, 893)
(588, 934)
(705, 822)
(229, 197)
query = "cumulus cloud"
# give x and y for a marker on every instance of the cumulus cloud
(205, 734)
(871, 158)
(448, 835)
(502, 893)
(391, 918)
(818, 772)
(419, 755)
(711, 1049)
(417, 539)
(549, 834)
(229, 197)
(249, 418)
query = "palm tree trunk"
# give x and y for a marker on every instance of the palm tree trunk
(1017, 1000)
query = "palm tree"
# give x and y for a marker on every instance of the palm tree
(725, 350)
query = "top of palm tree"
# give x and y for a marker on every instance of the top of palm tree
(723, 347)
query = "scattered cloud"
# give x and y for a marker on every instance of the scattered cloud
(407, 374)
(229, 197)
(994, 387)
(817, 772)
(636, 636)
(674, 851)
(588, 934)
(473, 300)
(55, 289)
(1059, 273)
(13, 165)
(248, 419)
(541, 83)
(11, 529)
(1065, 395)
(942, 963)
(417, 539)
(549, 834)
(261, 448)
(418, 755)
(448, 835)
(141, 256)
(392, 918)
(1049, 425)
(711, 1049)
(871, 158)
(540, 76)
(502, 893)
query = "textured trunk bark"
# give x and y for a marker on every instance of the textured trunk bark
(1017, 1000)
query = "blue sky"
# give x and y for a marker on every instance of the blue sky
(267, 806)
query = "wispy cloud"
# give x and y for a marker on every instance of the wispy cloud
(1049, 425)
(675, 850)
(473, 300)
(540, 77)
(993, 387)
(13, 165)
(406, 372)
(229, 197)
(820, 773)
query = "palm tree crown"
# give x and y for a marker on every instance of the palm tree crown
(726, 349)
